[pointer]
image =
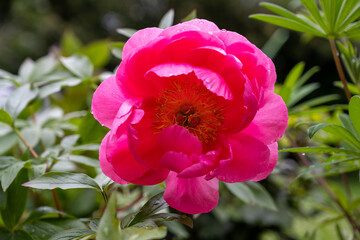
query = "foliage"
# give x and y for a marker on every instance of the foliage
(52, 186)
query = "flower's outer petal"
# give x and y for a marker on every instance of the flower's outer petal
(211, 80)
(179, 139)
(126, 166)
(178, 28)
(269, 123)
(106, 167)
(191, 195)
(272, 163)
(203, 25)
(238, 45)
(140, 39)
(107, 100)
(142, 138)
(250, 157)
(178, 47)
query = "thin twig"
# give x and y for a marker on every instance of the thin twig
(56, 200)
(326, 187)
(25, 142)
(339, 68)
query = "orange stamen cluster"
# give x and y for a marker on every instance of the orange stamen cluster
(190, 105)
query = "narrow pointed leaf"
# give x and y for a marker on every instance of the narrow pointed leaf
(320, 150)
(5, 117)
(63, 180)
(167, 20)
(354, 112)
(288, 23)
(108, 228)
(314, 11)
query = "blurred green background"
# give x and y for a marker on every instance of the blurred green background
(32, 28)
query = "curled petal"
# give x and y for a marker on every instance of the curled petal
(211, 80)
(191, 195)
(203, 164)
(179, 139)
(250, 157)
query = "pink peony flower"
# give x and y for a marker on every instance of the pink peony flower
(190, 105)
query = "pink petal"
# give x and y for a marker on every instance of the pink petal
(203, 25)
(126, 166)
(250, 157)
(269, 123)
(211, 80)
(106, 167)
(207, 57)
(175, 161)
(143, 138)
(238, 45)
(107, 100)
(178, 28)
(178, 47)
(203, 164)
(191, 195)
(272, 163)
(140, 39)
(179, 139)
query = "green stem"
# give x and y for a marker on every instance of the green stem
(339, 68)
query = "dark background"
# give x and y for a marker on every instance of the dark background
(31, 28)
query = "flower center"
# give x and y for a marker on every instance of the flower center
(192, 106)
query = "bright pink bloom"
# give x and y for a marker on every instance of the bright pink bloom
(190, 105)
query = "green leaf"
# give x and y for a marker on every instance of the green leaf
(354, 112)
(117, 49)
(127, 32)
(346, 122)
(2, 199)
(43, 67)
(72, 234)
(320, 150)
(302, 92)
(44, 213)
(162, 217)
(262, 197)
(275, 42)
(167, 20)
(19, 99)
(56, 86)
(242, 191)
(10, 173)
(347, 9)
(69, 141)
(350, 17)
(337, 130)
(17, 235)
(154, 205)
(7, 141)
(79, 65)
(139, 233)
(41, 230)
(16, 197)
(63, 180)
(288, 23)
(90, 130)
(70, 44)
(190, 16)
(36, 170)
(314, 11)
(108, 228)
(25, 70)
(5, 117)
(87, 147)
(91, 162)
(315, 101)
(353, 89)
(98, 53)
